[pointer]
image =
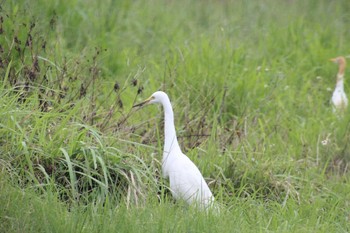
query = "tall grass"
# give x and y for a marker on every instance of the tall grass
(250, 84)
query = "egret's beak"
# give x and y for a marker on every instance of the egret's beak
(333, 60)
(144, 102)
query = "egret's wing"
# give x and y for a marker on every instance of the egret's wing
(187, 182)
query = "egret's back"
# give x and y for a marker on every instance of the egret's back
(339, 99)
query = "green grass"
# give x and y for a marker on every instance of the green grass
(24, 211)
(250, 84)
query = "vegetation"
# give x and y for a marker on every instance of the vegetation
(250, 84)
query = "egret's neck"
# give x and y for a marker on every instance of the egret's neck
(340, 81)
(170, 139)
(341, 69)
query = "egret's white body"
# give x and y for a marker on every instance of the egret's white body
(339, 99)
(186, 181)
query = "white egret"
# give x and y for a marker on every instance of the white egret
(339, 99)
(186, 181)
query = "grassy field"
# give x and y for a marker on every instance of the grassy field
(250, 83)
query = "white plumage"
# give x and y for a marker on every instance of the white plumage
(186, 181)
(339, 99)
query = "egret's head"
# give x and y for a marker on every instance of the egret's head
(341, 65)
(156, 97)
(339, 60)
